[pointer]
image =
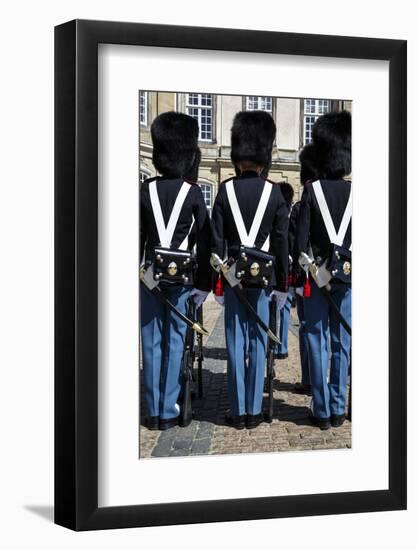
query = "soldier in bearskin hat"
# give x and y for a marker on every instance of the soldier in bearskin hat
(323, 245)
(170, 205)
(250, 242)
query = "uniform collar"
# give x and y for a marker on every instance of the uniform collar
(168, 178)
(249, 174)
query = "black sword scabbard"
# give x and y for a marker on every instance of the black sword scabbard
(336, 310)
(194, 325)
(241, 296)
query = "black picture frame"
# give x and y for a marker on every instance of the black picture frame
(76, 271)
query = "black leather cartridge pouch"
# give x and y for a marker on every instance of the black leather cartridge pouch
(339, 263)
(174, 266)
(255, 268)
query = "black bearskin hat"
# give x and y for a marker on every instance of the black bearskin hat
(287, 191)
(332, 145)
(175, 145)
(192, 173)
(253, 134)
(308, 164)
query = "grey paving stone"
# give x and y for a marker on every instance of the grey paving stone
(168, 435)
(183, 443)
(162, 449)
(205, 429)
(188, 431)
(201, 446)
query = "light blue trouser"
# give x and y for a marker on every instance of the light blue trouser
(329, 398)
(284, 323)
(302, 341)
(245, 382)
(163, 340)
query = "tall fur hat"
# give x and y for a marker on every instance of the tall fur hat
(332, 145)
(253, 134)
(175, 144)
(308, 164)
(287, 191)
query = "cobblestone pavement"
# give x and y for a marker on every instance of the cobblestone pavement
(207, 434)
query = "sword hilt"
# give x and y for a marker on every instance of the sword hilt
(199, 328)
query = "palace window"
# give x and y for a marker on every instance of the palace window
(313, 108)
(207, 191)
(259, 103)
(143, 108)
(200, 107)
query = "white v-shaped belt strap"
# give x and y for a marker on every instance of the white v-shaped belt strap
(166, 234)
(339, 237)
(248, 239)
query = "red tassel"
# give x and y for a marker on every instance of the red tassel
(290, 278)
(307, 288)
(218, 289)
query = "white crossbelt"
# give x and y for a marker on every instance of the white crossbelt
(339, 236)
(166, 233)
(248, 239)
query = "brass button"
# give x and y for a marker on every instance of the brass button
(172, 268)
(254, 269)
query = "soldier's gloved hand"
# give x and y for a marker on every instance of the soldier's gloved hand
(279, 297)
(198, 296)
(300, 291)
(219, 299)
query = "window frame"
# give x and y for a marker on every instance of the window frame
(209, 185)
(199, 106)
(258, 97)
(315, 114)
(145, 107)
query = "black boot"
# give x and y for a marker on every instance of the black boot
(167, 423)
(337, 420)
(237, 422)
(152, 422)
(253, 420)
(322, 423)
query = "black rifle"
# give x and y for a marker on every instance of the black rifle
(270, 357)
(186, 410)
